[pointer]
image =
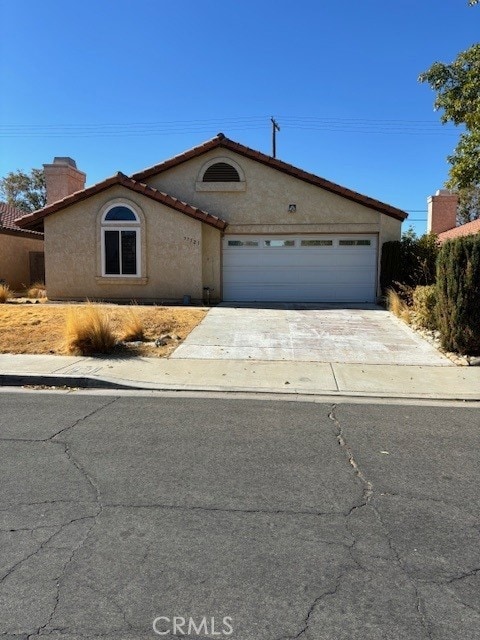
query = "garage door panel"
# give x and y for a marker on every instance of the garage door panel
(298, 275)
(288, 259)
(343, 271)
(328, 293)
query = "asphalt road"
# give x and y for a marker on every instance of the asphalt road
(279, 520)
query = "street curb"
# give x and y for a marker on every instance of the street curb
(89, 382)
(84, 382)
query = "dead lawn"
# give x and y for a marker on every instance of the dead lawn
(39, 328)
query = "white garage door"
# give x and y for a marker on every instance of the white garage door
(300, 268)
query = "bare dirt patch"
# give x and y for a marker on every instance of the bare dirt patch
(40, 328)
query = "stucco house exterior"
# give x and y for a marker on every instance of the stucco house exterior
(220, 217)
(21, 251)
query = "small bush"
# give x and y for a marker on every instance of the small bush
(5, 293)
(424, 306)
(36, 290)
(398, 306)
(134, 329)
(458, 286)
(88, 331)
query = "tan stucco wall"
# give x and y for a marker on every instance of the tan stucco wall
(14, 259)
(172, 252)
(211, 261)
(262, 207)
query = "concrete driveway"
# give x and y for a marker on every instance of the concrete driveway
(365, 334)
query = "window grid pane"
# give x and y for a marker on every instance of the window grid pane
(317, 243)
(242, 243)
(352, 243)
(112, 253)
(129, 253)
(279, 243)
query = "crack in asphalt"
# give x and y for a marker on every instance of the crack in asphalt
(178, 507)
(306, 621)
(97, 500)
(30, 555)
(462, 576)
(368, 494)
(15, 505)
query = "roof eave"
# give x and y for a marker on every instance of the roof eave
(35, 220)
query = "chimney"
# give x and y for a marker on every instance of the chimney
(62, 178)
(442, 211)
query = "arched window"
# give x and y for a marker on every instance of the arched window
(120, 241)
(120, 213)
(221, 172)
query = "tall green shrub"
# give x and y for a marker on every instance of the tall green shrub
(458, 295)
(409, 262)
(390, 264)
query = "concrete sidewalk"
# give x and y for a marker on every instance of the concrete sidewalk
(307, 378)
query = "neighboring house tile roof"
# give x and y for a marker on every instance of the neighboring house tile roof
(467, 229)
(35, 220)
(8, 215)
(220, 141)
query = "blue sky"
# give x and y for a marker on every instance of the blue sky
(123, 85)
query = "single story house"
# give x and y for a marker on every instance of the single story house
(220, 217)
(21, 251)
(442, 217)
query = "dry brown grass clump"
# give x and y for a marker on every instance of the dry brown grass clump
(5, 293)
(424, 309)
(40, 328)
(36, 290)
(133, 327)
(88, 331)
(397, 306)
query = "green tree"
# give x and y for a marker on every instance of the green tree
(26, 191)
(468, 204)
(457, 87)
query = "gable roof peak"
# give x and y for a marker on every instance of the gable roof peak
(221, 141)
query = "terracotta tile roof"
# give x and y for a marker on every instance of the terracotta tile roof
(220, 141)
(467, 229)
(8, 215)
(35, 220)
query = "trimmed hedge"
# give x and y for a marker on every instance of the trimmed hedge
(458, 295)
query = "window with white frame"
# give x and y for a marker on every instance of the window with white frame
(120, 241)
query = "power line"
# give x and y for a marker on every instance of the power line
(239, 123)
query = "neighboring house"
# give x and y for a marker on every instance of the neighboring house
(442, 217)
(21, 251)
(220, 216)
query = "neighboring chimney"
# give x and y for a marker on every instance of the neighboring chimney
(62, 178)
(442, 211)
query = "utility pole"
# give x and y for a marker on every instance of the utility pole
(275, 128)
